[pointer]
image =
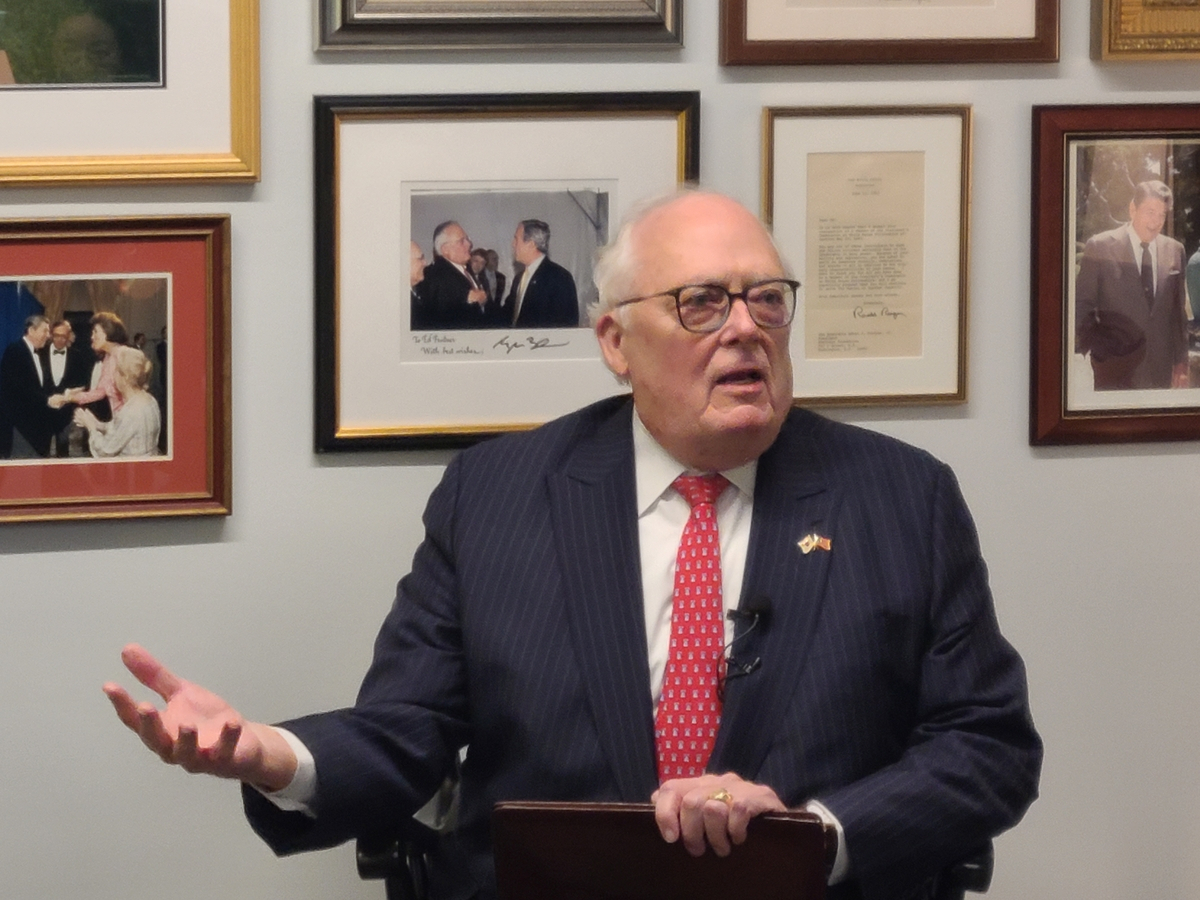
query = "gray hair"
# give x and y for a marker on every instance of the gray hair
(439, 236)
(617, 263)
(538, 233)
(35, 321)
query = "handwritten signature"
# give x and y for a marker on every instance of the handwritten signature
(882, 313)
(530, 343)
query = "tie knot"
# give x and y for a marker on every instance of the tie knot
(1145, 246)
(698, 489)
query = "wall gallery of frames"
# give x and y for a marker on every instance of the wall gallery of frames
(251, 195)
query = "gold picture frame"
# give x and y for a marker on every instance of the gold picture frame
(1147, 29)
(228, 137)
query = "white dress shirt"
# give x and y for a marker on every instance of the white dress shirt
(662, 515)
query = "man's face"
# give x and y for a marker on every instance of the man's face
(38, 335)
(416, 265)
(61, 336)
(1148, 218)
(457, 247)
(478, 263)
(524, 251)
(716, 400)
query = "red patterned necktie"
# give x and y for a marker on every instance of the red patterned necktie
(689, 710)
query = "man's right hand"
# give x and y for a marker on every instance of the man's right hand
(199, 731)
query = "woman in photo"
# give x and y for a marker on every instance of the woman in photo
(134, 428)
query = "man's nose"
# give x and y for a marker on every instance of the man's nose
(740, 323)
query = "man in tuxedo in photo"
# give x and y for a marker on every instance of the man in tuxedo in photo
(26, 421)
(451, 298)
(847, 656)
(66, 367)
(1130, 301)
(544, 296)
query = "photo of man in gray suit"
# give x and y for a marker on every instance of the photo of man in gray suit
(1130, 301)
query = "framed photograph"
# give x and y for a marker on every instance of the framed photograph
(114, 379)
(455, 237)
(794, 32)
(486, 25)
(117, 91)
(869, 206)
(1116, 274)
(1147, 29)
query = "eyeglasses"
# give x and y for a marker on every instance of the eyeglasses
(704, 308)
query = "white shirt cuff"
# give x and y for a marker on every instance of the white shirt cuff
(841, 862)
(300, 793)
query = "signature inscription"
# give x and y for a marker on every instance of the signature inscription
(530, 343)
(882, 313)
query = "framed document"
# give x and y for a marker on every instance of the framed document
(115, 110)
(143, 431)
(792, 32)
(1147, 29)
(869, 205)
(1116, 274)
(486, 25)
(412, 349)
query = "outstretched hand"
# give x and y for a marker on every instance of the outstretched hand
(199, 731)
(710, 811)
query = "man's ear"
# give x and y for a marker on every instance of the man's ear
(610, 334)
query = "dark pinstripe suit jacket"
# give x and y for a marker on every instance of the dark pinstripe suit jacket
(885, 688)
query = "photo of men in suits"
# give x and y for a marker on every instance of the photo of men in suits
(544, 296)
(1130, 300)
(451, 298)
(27, 423)
(857, 669)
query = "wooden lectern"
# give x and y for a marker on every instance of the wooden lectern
(603, 851)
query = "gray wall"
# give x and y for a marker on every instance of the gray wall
(1093, 550)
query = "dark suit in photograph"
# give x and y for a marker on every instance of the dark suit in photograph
(1134, 342)
(885, 690)
(550, 299)
(76, 373)
(23, 401)
(444, 304)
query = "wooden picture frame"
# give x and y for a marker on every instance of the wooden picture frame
(201, 125)
(779, 32)
(1104, 368)
(389, 170)
(167, 277)
(871, 206)
(1146, 29)
(479, 25)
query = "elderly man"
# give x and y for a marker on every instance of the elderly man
(545, 618)
(544, 296)
(27, 423)
(451, 298)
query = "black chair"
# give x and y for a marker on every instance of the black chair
(402, 864)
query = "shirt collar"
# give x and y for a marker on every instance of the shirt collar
(655, 469)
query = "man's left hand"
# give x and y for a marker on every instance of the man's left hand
(710, 811)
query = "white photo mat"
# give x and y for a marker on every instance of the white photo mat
(869, 20)
(940, 136)
(382, 391)
(203, 124)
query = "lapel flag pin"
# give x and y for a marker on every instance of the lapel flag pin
(813, 541)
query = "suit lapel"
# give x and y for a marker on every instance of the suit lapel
(791, 501)
(593, 504)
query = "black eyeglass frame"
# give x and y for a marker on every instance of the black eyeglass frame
(730, 297)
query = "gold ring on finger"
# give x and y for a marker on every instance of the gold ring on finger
(722, 796)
